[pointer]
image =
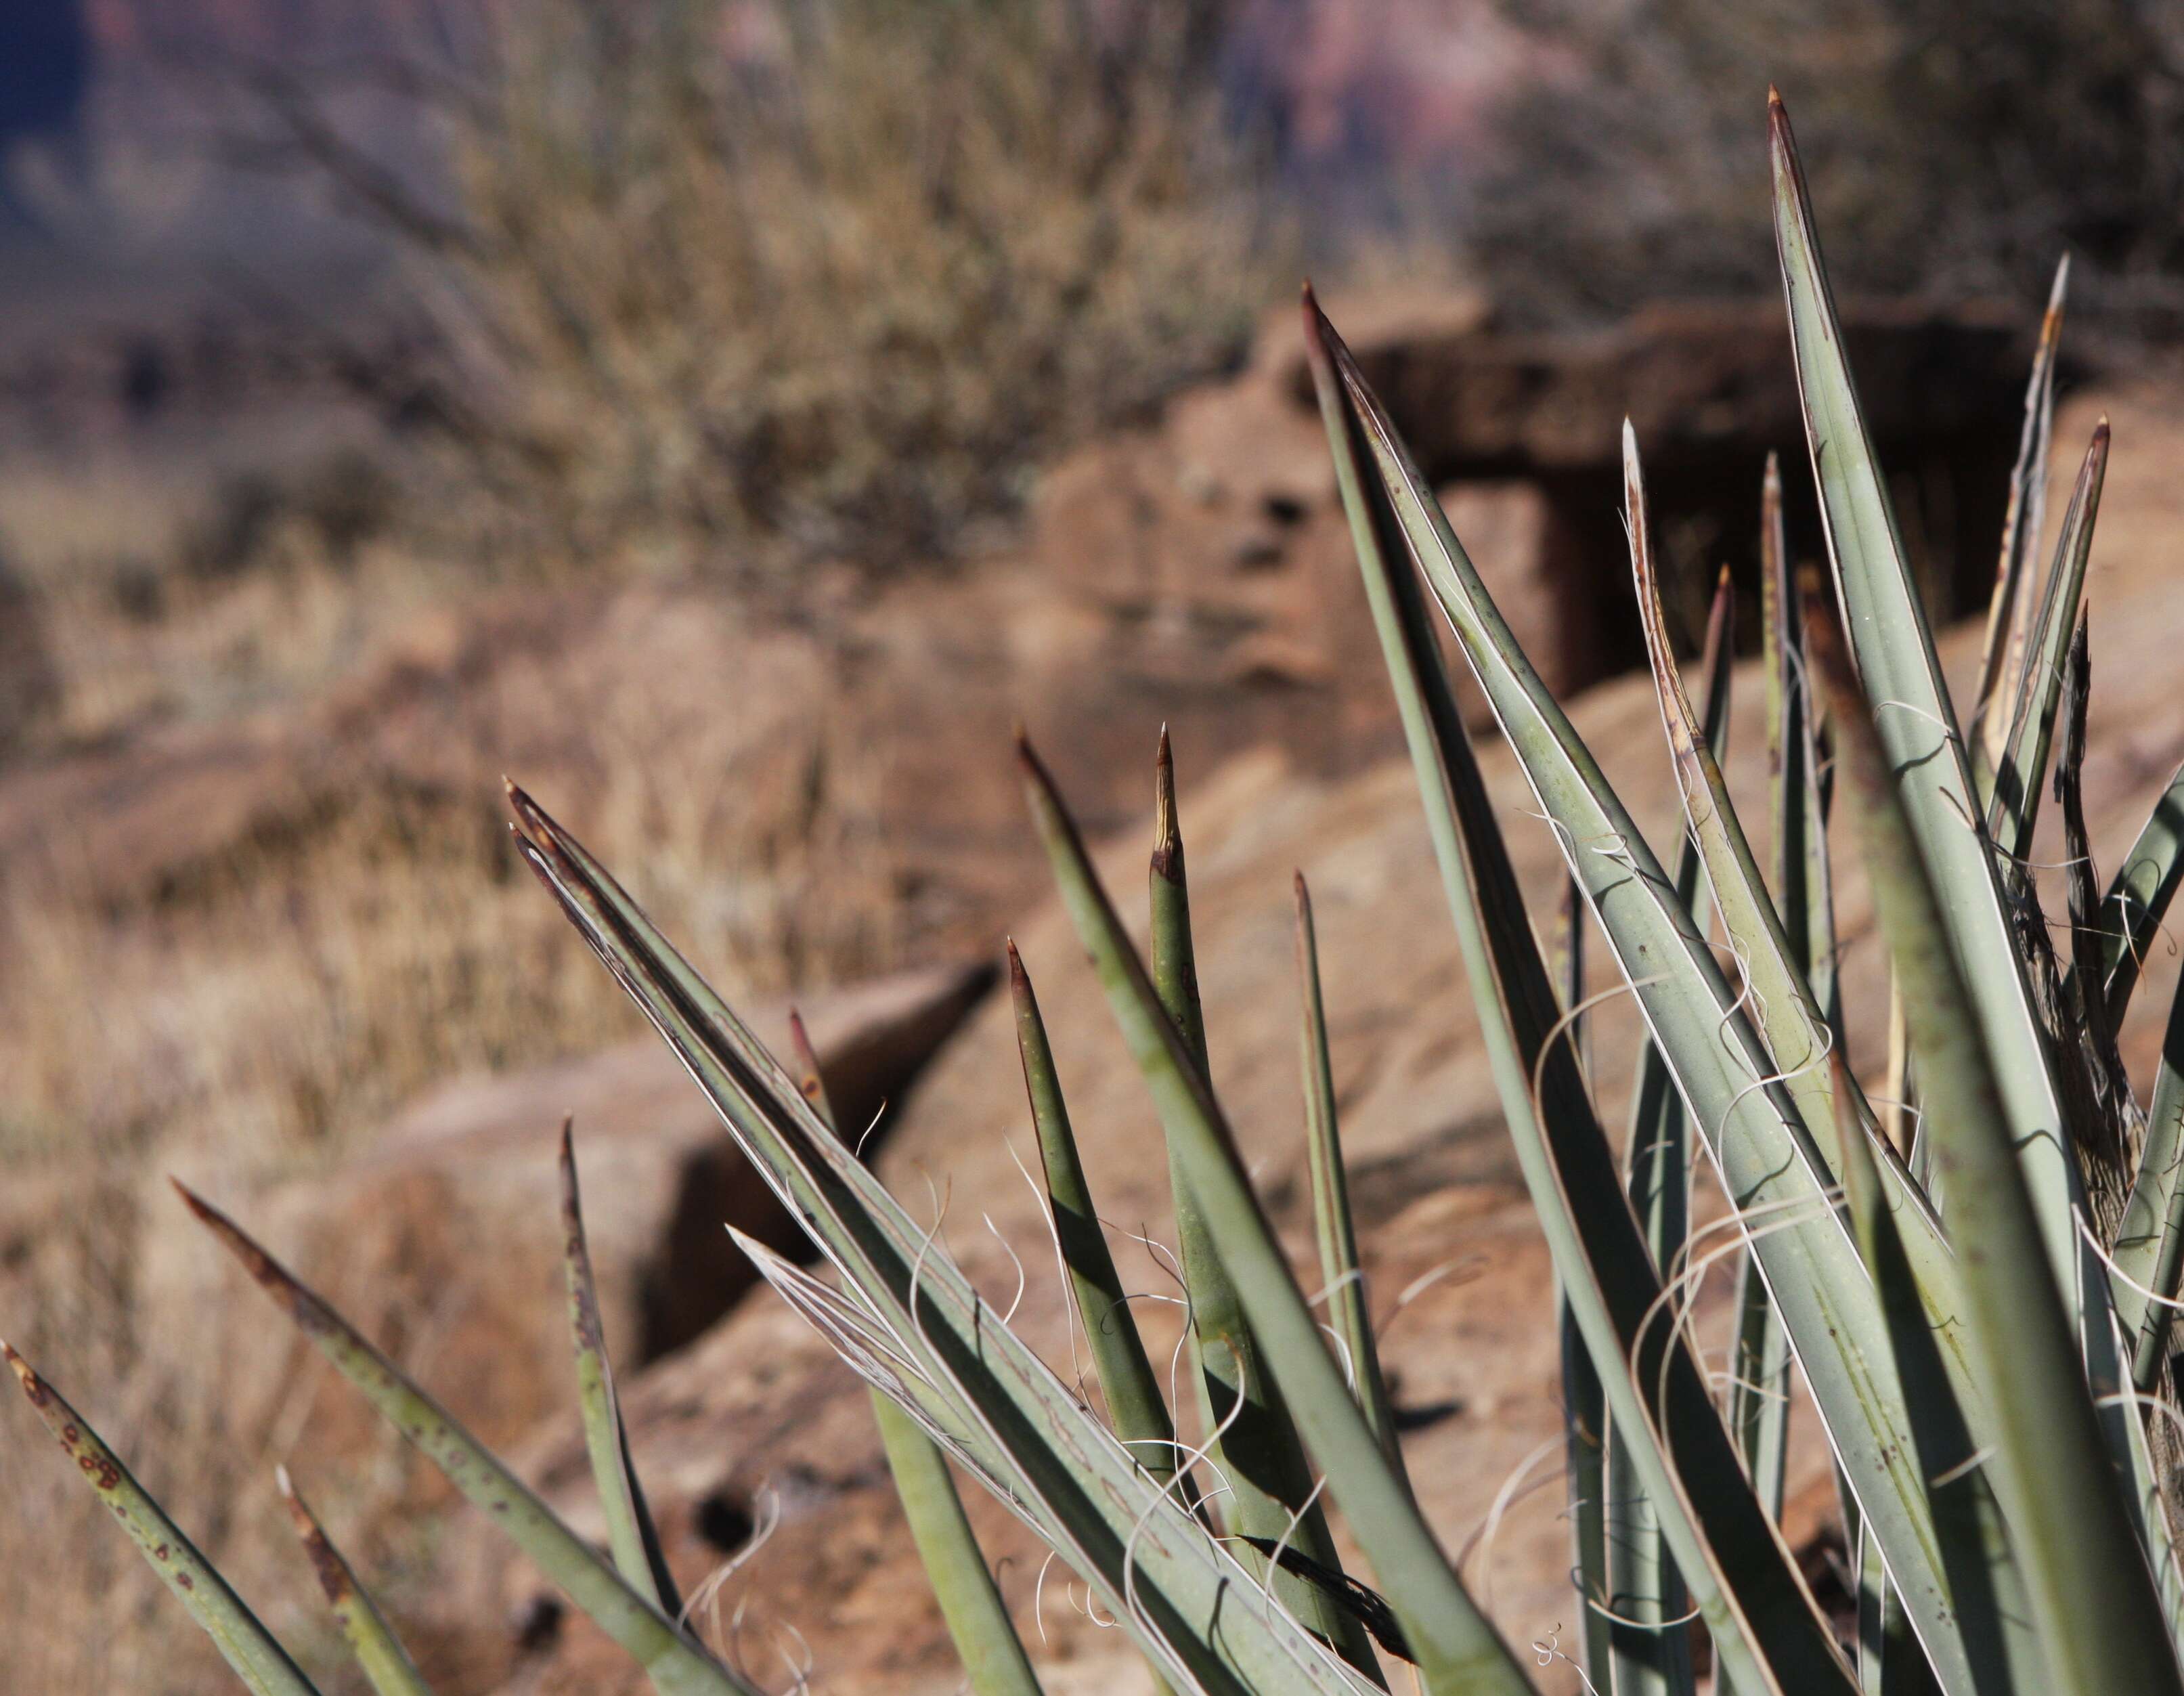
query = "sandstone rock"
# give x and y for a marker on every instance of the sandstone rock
(1543, 576)
(1237, 473)
(1154, 565)
(1693, 377)
(1710, 391)
(1376, 324)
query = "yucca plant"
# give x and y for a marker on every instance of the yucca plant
(1982, 1314)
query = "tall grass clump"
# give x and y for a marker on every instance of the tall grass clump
(1982, 1316)
(750, 283)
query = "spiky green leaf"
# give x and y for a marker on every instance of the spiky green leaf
(1179, 1593)
(993, 1654)
(1269, 1502)
(2010, 609)
(630, 1533)
(245, 1644)
(1893, 647)
(2092, 1596)
(1119, 1360)
(1343, 1276)
(971, 1601)
(1766, 1631)
(1457, 1649)
(1773, 1171)
(2019, 776)
(676, 1665)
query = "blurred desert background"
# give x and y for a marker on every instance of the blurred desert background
(730, 418)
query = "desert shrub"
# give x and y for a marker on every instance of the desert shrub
(1965, 148)
(762, 283)
(327, 510)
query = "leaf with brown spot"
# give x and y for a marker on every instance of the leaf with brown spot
(677, 1665)
(243, 1643)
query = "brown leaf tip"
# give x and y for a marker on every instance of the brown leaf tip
(1778, 131)
(1027, 757)
(1168, 830)
(278, 1281)
(1316, 350)
(527, 808)
(1017, 976)
(333, 1574)
(572, 1207)
(808, 1076)
(33, 1385)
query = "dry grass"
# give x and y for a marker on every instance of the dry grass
(292, 994)
(267, 1004)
